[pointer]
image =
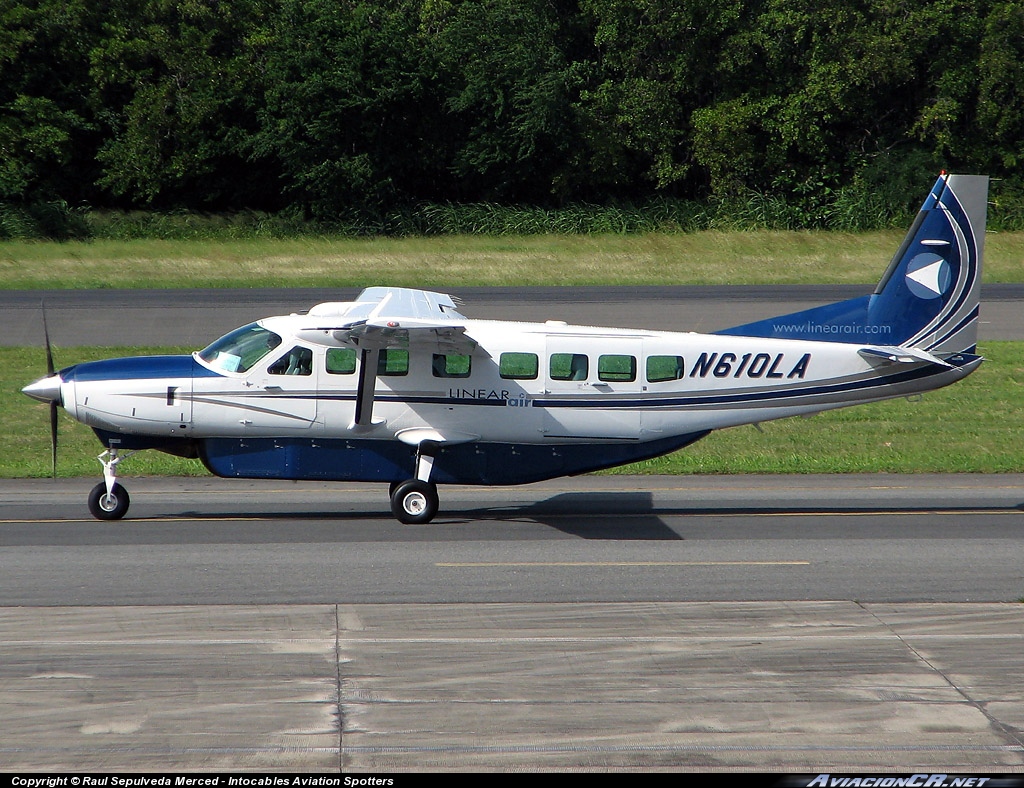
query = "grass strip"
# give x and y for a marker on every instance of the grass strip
(701, 258)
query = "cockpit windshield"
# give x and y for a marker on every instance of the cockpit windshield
(240, 350)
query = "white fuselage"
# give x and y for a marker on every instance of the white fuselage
(524, 383)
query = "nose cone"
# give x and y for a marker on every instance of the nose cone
(45, 389)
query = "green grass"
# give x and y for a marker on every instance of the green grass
(701, 258)
(973, 426)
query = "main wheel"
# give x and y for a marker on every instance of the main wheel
(414, 502)
(108, 507)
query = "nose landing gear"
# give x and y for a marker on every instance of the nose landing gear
(108, 500)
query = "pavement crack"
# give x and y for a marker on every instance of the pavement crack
(1007, 731)
(339, 710)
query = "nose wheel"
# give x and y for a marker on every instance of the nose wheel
(111, 505)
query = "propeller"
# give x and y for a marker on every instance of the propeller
(53, 403)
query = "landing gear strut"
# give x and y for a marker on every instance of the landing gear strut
(415, 501)
(108, 499)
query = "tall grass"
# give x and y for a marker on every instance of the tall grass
(54, 220)
(856, 207)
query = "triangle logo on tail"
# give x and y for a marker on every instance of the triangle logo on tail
(928, 276)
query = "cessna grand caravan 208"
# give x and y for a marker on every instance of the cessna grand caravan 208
(398, 386)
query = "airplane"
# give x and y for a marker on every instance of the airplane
(399, 386)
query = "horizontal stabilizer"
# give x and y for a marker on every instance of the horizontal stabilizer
(902, 355)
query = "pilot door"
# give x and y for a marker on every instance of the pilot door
(282, 394)
(592, 388)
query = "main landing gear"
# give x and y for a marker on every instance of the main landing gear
(108, 499)
(415, 501)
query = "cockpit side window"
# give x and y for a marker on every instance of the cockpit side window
(240, 350)
(297, 361)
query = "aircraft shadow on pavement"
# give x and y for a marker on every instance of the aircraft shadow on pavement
(634, 516)
(613, 515)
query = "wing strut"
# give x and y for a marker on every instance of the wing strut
(368, 358)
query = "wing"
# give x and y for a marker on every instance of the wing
(386, 317)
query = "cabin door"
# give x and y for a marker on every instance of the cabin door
(282, 396)
(592, 386)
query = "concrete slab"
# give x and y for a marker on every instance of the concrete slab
(754, 686)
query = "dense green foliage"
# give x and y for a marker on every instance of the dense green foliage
(378, 115)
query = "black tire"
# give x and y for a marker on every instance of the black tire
(414, 502)
(112, 507)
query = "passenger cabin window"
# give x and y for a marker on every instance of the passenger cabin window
(616, 369)
(451, 365)
(662, 368)
(393, 362)
(568, 366)
(341, 361)
(240, 350)
(297, 361)
(518, 366)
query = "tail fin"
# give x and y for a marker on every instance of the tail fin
(929, 295)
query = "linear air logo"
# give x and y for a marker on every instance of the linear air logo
(928, 275)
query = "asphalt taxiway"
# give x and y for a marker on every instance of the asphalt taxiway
(195, 317)
(877, 538)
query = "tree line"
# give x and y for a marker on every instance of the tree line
(341, 111)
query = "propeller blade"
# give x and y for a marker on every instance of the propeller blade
(53, 438)
(53, 403)
(46, 336)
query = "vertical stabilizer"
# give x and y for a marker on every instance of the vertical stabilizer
(928, 297)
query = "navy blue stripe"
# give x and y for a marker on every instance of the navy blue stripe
(959, 216)
(140, 368)
(958, 327)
